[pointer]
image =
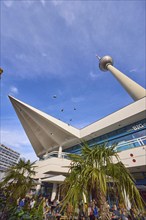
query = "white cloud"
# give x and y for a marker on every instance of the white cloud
(81, 124)
(66, 11)
(20, 56)
(133, 70)
(13, 90)
(17, 140)
(39, 45)
(44, 54)
(27, 3)
(8, 3)
(29, 156)
(56, 2)
(69, 17)
(43, 2)
(93, 75)
(77, 99)
(14, 137)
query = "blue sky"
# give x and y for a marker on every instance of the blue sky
(48, 48)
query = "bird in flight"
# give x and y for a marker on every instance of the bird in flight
(1, 71)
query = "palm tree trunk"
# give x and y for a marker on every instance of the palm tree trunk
(103, 207)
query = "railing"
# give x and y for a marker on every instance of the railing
(125, 145)
(56, 154)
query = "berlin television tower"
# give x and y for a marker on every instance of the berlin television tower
(134, 89)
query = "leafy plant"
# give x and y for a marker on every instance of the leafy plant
(93, 170)
(16, 183)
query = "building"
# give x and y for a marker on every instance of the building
(53, 139)
(8, 157)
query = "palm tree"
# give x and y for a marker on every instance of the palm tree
(16, 183)
(19, 179)
(97, 169)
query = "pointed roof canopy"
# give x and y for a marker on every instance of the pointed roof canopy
(45, 132)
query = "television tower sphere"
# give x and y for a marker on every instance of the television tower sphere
(104, 62)
(134, 89)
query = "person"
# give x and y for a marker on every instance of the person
(86, 211)
(89, 210)
(123, 215)
(91, 215)
(132, 213)
(22, 202)
(32, 203)
(115, 213)
(57, 213)
(95, 212)
(18, 200)
(47, 212)
(69, 210)
(81, 212)
(47, 202)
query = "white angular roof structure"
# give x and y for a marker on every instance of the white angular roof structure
(47, 133)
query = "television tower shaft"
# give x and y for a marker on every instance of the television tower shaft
(134, 89)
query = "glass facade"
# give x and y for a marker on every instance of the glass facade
(130, 136)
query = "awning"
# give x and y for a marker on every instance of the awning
(54, 179)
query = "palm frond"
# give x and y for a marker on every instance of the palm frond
(95, 168)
